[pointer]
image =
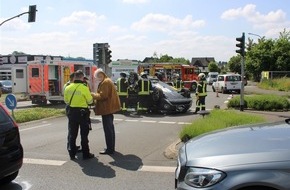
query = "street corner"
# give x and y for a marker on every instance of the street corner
(171, 151)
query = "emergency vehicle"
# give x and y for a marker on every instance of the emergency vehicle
(187, 73)
(46, 78)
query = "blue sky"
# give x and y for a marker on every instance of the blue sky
(135, 29)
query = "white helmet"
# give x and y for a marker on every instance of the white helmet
(201, 75)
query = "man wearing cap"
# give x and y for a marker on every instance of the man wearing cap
(77, 96)
(107, 103)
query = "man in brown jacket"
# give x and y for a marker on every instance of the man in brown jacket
(107, 103)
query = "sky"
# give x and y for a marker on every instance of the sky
(136, 29)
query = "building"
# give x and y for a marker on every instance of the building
(202, 63)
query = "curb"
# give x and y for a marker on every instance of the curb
(171, 151)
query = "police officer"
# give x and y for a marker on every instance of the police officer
(201, 93)
(145, 88)
(122, 90)
(78, 97)
(178, 83)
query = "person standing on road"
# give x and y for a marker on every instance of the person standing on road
(77, 96)
(201, 93)
(107, 103)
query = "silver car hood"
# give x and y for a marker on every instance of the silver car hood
(240, 146)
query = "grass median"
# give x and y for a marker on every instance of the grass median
(31, 114)
(218, 119)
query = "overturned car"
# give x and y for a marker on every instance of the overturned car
(162, 98)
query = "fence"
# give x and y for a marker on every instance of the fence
(274, 74)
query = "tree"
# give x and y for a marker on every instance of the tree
(213, 67)
(234, 64)
(18, 53)
(165, 58)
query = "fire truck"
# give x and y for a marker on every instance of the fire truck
(46, 78)
(187, 73)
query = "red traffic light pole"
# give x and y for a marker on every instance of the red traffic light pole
(31, 16)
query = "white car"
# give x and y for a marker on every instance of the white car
(227, 83)
(211, 77)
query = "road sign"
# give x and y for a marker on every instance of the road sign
(11, 101)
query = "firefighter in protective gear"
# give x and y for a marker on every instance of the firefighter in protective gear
(178, 83)
(201, 93)
(145, 89)
(122, 90)
(78, 96)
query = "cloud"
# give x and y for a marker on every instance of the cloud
(130, 38)
(16, 24)
(88, 20)
(117, 29)
(165, 23)
(136, 1)
(250, 13)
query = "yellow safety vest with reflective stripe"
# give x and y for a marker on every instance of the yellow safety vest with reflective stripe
(122, 89)
(81, 97)
(145, 87)
(201, 89)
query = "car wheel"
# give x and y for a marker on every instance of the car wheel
(156, 94)
(9, 178)
(223, 90)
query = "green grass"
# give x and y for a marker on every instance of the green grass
(263, 102)
(281, 84)
(32, 114)
(218, 119)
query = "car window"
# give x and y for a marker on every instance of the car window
(220, 78)
(233, 78)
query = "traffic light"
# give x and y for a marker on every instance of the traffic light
(241, 45)
(108, 56)
(32, 13)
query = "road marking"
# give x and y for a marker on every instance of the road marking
(148, 121)
(118, 119)
(43, 162)
(39, 126)
(166, 169)
(131, 120)
(167, 122)
(183, 123)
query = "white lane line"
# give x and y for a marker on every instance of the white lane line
(38, 126)
(43, 162)
(166, 169)
(131, 120)
(147, 121)
(118, 119)
(167, 122)
(183, 123)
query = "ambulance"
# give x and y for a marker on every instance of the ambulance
(46, 78)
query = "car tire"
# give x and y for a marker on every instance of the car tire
(157, 94)
(223, 90)
(193, 86)
(9, 178)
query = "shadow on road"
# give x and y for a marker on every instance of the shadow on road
(94, 168)
(127, 162)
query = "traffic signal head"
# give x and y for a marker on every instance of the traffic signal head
(32, 13)
(241, 45)
(108, 56)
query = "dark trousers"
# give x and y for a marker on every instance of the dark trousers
(109, 130)
(200, 103)
(78, 119)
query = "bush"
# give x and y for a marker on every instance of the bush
(261, 102)
(218, 119)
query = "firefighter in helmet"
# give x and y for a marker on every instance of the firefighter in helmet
(122, 90)
(145, 89)
(178, 83)
(201, 93)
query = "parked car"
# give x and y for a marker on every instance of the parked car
(6, 86)
(211, 77)
(11, 151)
(255, 157)
(227, 83)
(167, 99)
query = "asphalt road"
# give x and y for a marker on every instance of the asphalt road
(138, 164)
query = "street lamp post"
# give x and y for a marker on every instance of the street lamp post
(255, 35)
